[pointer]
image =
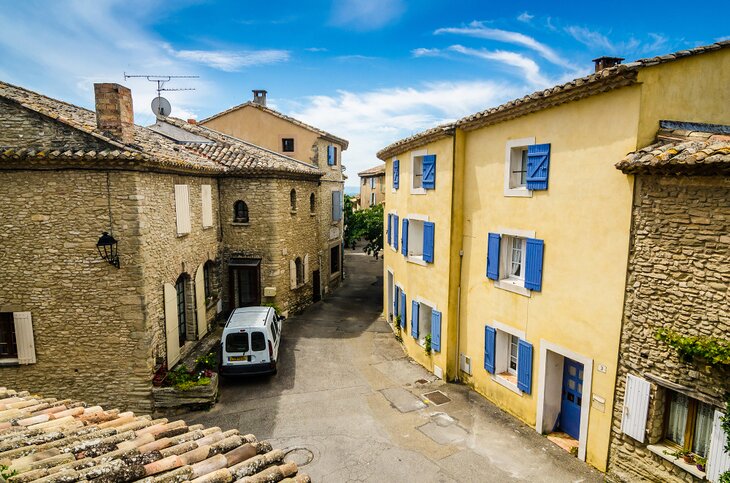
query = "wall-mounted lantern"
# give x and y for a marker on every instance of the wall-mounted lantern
(107, 247)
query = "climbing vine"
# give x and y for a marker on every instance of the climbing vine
(711, 349)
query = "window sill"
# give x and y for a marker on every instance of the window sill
(207, 227)
(659, 448)
(335, 275)
(502, 380)
(180, 235)
(211, 304)
(9, 362)
(239, 223)
(293, 212)
(416, 260)
(518, 192)
(418, 191)
(312, 214)
(510, 286)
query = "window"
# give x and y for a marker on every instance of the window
(688, 423)
(312, 204)
(332, 155)
(237, 343)
(208, 279)
(336, 205)
(206, 200)
(287, 145)
(417, 171)
(258, 341)
(425, 313)
(508, 357)
(512, 367)
(372, 199)
(181, 315)
(299, 270)
(514, 261)
(515, 167)
(240, 212)
(182, 209)
(514, 247)
(518, 168)
(372, 182)
(335, 259)
(8, 347)
(364, 181)
(415, 238)
(293, 200)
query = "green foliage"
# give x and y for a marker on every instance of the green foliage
(427, 348)
(725, 477)
(183, 379)
(209, 361)
(711, 349)
(725, 420)
(366, 224)
(5, 472)
(272, 305)
(680, 453)
(396, 327)
(187, 385)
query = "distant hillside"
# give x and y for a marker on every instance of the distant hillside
(352, 190)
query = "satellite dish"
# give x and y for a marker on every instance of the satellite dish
(161, 106)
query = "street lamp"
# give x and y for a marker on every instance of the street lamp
(107, 247)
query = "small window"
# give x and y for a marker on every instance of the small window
(236, 343)
(513, 345)
(417, 172)
(364, 181)
(415, 238)
(424, 321)
(240, 212)
(258, 341)
(518, 168)
(688, 423)
(8, 344)
(182, 326)
(293, 200)
(312, 203)
(372, 199)
(335, 259)
(300, 270)
(513, 259)
(287, 145)
(208, 279)
(372, 183)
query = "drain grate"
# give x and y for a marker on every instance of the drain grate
(437, 398)
(421, 381)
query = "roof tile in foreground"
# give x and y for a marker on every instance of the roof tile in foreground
(50, 440)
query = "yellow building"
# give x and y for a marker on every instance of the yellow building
(372, 186)
(516, 231)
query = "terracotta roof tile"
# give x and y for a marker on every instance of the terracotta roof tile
(379, 169)
(49, 440)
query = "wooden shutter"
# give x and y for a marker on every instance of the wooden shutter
(336, 205)
(390, 220)
(414, 319)
(306, 268)
(396, 173)
(396, 299)
(429, 230)
(206, 200)
(490, 338)
(200, 306)
(331, 155)
(403, 309)
(292, 274)
(436, 330)
(24, 342)
(493, 256)
(429, 172)
(538, 165)
(524, 366)
(172, 336)
(636, 407)
(718, 460)
(404, 238)
(395, 232)
(533, 264)
(182, 209)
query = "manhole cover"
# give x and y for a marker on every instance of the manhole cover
(437, 398)
(421, 381)
(300, 456)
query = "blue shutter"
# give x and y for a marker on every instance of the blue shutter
(395, 301)
(490, 336)
(331, 155)
(390, 220)
(403, 310)
(493, 256)
(336, 205)
(404, 238)
(429, 172)
(395, 232)
(396, 173)
(533, 264)
(524, 366)
(429, 229)
(538, 165)
(414, 319)
(436, 331)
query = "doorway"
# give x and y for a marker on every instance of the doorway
(390, 296)
(244, 282)
(571, 398)
(316, 287)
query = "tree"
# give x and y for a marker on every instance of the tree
(366, 224)
(352, 228)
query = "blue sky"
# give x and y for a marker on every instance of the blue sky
(371, 71)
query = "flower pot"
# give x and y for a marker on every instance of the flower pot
(688, 458)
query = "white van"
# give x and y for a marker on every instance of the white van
(250, 341)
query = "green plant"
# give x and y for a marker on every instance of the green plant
(700, 462)
(574, 451)
(427, 346)
(274, 306)
(366, 224)
(725, 422)
(396, 328)
(209, 361)
(711, 349)
(680, 453)
(724, 477)
(6, 472)
(187, 385)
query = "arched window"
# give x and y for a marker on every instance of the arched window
(182, 326)
(293, 200)
(300, 270)
(312, 207)
(240, 212)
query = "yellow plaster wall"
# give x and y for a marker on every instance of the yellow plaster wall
(430, 282)
(266, 130)
(584, 220)
(691, 89)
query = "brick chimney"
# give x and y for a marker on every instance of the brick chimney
(259, 97)
(114, 113)
(606, 62)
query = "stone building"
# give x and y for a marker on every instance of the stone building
(255, 122)
(678, 278)
(203, 222)
(372, 186)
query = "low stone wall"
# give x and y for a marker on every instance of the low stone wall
(170, 400)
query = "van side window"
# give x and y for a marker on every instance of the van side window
(258, 341)
(275, 330)
(237, 342)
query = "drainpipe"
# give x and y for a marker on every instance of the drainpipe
(457, 321)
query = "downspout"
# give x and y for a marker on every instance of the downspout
(461, 255)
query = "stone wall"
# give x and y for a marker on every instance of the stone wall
(678, 279)
(88, 317)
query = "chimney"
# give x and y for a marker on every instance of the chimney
(606, 62)
(259, 97)
(114, 113)
(192, 121)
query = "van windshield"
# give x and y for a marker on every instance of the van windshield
(258, 342)
(237, 342)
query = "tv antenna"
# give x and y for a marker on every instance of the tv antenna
(160, 105)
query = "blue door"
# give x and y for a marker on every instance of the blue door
(572, 397)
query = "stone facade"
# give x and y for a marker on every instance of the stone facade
(678, 279)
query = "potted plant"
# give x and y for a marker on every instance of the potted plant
(687, 456)
(427, 345)
(701, 463)
(396, 327)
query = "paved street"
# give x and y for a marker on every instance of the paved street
(346, 391)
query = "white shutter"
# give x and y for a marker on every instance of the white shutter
(636, 407)
(292, 275)
(207, 204)
(306, 268)
(172, 336)
(182, 209)
(718, 461)
(200, 308)
(24, 337)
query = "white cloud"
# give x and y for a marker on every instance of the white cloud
(315, 49)
(424, 52)
(479, 30)
(525, 17)
(528, 67)
(590, 38)
(231, 61)
(366, 14)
